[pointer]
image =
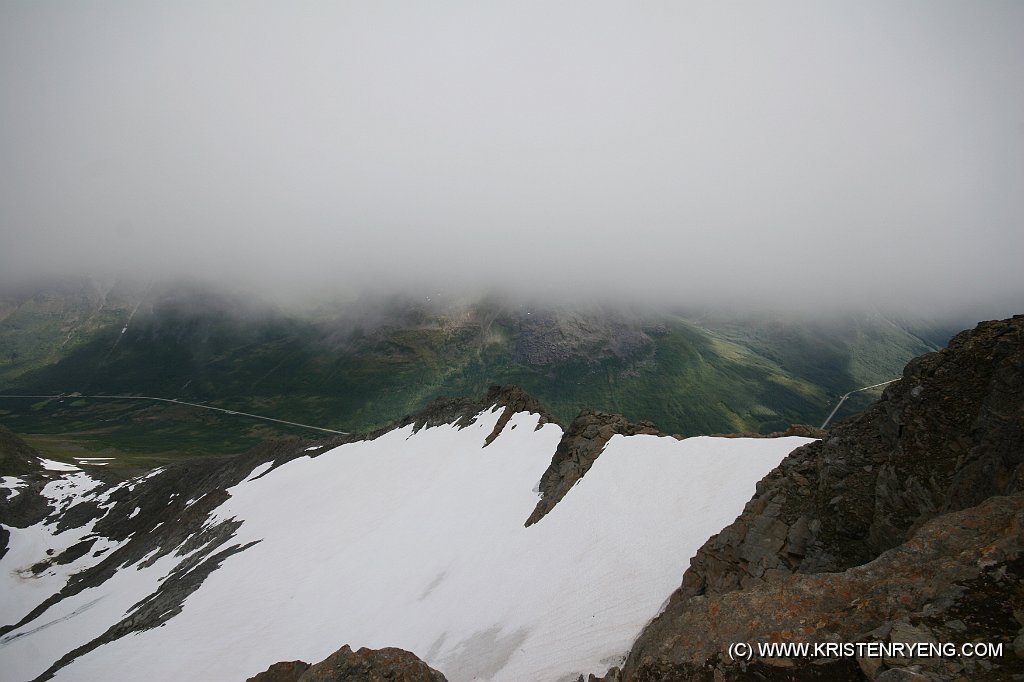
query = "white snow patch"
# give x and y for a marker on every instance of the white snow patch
(53, 465)
(261, 469)
(74, 621)
(135, 512)
(12, 483)
(154, 472)
(21, 589)
(417, 541)
(103, 499)
(69, 490)
(104, 546)
(313, 447)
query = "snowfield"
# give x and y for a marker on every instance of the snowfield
(414, 541)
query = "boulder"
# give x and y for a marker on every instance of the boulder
(365, 665)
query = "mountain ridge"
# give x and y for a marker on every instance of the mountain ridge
(159, 545)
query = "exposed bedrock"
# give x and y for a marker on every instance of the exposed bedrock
(947, 437)
(463, 411)
(345, 665)
(581, 444)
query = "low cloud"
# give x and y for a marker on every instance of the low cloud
(792, 154)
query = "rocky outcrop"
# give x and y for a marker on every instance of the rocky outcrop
(802, 430)
(947, 437)
(958, 580)
(17, 458)
(26, 505)
(285, 671)
(546, 338)
(345, 665)
(463, 411)
(579, 448)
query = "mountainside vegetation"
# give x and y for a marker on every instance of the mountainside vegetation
(360, 365)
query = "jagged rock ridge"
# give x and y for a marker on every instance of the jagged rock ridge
(345, 665)
(463, 411)
(947, 437)
(582, 443)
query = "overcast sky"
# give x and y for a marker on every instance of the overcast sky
(723, 151)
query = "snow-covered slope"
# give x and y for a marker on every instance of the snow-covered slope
(414, 540)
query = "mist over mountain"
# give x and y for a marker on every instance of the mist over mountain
(356, 365)
(794, 156)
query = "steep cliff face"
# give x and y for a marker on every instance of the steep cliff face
(948, 437)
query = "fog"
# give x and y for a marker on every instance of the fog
(744, 154)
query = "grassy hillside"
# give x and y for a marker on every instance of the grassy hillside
(41, 325)
(360, 367)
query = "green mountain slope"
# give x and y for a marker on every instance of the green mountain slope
(360, 366)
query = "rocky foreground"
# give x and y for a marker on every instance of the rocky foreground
(364, 665)
(905, 524)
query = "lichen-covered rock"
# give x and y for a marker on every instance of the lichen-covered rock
(344, 665)
(957, 580)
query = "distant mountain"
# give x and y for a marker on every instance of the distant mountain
(357, 366)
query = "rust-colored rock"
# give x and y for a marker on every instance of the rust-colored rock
(285, 671)
(344, 665)
(939, 587)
